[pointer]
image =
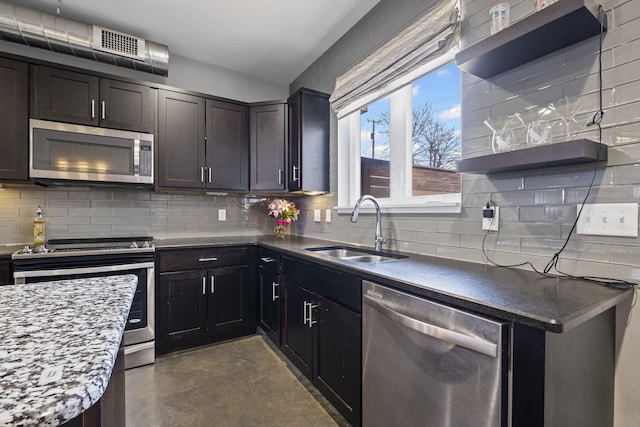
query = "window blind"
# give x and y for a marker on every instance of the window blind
(431, 35)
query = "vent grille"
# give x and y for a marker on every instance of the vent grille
(118, 43)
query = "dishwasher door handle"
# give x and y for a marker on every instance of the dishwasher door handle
(476, 344)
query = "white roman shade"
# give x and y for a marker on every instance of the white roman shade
(430, 36)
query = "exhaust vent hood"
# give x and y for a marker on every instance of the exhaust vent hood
(38, 29)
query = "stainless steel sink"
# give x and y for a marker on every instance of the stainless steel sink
(348, 253)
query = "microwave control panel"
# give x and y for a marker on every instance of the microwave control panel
(146, 160)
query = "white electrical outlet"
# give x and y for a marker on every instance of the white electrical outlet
(327, 216)
(222, 214)
(491, 224)
(609, 219)
(316, 215)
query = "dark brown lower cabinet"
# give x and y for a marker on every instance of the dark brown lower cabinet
(6, 277)
(204, 305)
(269, 316)
(322, 337)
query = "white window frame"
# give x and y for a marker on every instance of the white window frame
(401, 199)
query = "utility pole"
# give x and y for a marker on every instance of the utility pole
(373, 137)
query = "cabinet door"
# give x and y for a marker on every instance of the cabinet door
(183, 300)
(65, 96)
(230, 302)
(181, 145)
(308, 141)
(337, 357)
(14, 120)
(268, 140)
(125, 106)
(269, 288)
(227, 146)
(6, 277)
(297, 339)
(295, 140)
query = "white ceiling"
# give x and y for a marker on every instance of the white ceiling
(271, 39)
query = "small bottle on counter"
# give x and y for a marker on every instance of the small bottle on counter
(38, 231)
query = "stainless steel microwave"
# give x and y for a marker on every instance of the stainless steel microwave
(85, 153)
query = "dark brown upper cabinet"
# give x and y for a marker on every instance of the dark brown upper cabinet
(308, 141)
(14, 120)
(181, 143)
(202, 143)
(268, 132)
(85, 99)
(227, 146)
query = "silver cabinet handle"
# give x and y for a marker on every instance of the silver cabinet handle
(267, 259)
(202, 174)
(274, 285)
(437, 332)
(304, 308)
(311, 321)
(209, 175)
(295, 174)
(279, 176)
(93, 108)
(204, 286)
(213, 284)
(207, 259)
(104, 108)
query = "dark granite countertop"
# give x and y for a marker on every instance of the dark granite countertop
(552, 304)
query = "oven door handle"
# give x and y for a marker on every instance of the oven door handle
(20, 276)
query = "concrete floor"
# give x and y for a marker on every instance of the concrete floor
(244, 382)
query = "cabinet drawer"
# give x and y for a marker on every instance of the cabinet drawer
(184, 259)
(269, 260)
(340, 287)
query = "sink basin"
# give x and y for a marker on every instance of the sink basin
(355, 254)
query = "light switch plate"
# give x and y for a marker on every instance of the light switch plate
(222, 214)
(316, 215)
(609, 219)
(327, 216)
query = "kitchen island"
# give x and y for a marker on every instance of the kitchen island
(58, 346)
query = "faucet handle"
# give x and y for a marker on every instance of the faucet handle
(381, 240)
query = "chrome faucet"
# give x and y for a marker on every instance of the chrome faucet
(379, 240)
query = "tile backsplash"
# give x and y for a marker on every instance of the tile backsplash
(89, 212)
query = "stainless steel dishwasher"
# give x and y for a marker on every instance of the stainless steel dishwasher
(427, 364)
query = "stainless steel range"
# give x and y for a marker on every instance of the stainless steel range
(77, 258)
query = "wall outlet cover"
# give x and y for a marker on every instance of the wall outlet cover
(327, 216)
(316, 215)
(222, 214)
(609, 219)
(491, 224)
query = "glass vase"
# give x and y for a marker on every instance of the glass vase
(280, 229)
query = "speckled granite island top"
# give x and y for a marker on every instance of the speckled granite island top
(58, 345)
(552, 304)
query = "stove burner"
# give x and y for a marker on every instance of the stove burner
(94, 246)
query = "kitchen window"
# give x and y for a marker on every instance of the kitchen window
(399, 119)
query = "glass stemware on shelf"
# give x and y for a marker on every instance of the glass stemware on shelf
(536, 126)
(565, 111)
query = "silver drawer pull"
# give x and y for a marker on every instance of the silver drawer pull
(274, 285)
(267, 259)
(207, 259)
(213, 284)
(311, 307)
(204, 286)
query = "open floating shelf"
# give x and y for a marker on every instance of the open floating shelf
(558, 25)
(542, 156)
